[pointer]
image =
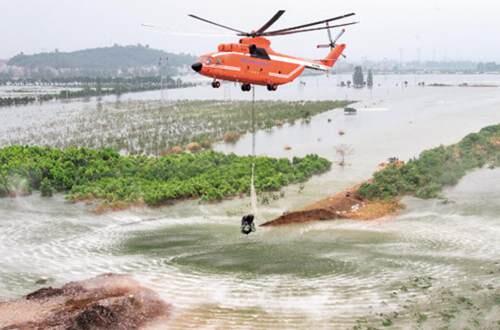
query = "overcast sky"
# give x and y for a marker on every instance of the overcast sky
(435, 29)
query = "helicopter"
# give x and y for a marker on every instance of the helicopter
(252, 61)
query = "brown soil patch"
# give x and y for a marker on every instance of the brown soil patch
(103, 208)
(194, 147)
(44, 293)
(231, 137)
(345, 205)
(173, 150)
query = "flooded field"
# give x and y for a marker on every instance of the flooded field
(435, 265)
(33, 90)
(153, 127)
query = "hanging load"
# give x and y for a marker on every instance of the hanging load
(247, 224)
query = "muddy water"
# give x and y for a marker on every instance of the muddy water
(434, 265)
(434, 259)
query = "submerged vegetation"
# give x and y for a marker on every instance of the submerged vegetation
(107, 176)
(96, 88)
(154, 127)
(426, 176)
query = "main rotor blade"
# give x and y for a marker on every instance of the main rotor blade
(271, 22)
(216, 24)
(312, 24)
(275, 34)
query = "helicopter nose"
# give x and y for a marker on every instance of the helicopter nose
(197, 66)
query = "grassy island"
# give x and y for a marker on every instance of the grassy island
(115, 180)
(425, 176)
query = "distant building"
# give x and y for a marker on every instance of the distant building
(488, 67)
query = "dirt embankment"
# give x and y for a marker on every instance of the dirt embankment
(105, 302)
(345, 205)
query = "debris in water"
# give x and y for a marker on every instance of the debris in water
(350, 111)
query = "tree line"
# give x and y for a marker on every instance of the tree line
(106, 176)
(116, 61)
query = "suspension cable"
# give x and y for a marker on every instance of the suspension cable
(253, 193)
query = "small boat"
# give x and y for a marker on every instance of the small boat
(350, 111)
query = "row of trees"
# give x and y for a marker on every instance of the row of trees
(105, 175)
(358, 78)
(116, 61)
(87, 80)
(488, 67)
(98, 88)
(106, 58)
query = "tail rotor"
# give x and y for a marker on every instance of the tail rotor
(333, 42)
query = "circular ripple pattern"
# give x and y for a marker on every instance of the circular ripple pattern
(325, 275)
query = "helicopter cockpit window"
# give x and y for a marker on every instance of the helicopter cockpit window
(258, 52)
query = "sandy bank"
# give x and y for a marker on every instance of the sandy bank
(344, 205)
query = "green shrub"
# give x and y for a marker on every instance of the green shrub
(442, 166)
(46, 188)
(107, 176)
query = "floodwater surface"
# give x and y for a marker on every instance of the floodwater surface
(434, 265)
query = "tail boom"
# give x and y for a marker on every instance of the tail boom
(334, 55)
(327, 63)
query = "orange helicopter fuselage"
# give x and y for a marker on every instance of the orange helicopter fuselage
(253, 62)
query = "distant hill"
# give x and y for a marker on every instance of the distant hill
(101, 59)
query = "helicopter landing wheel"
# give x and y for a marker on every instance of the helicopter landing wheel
(216, 84)
(272, 88)
(246, 87)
